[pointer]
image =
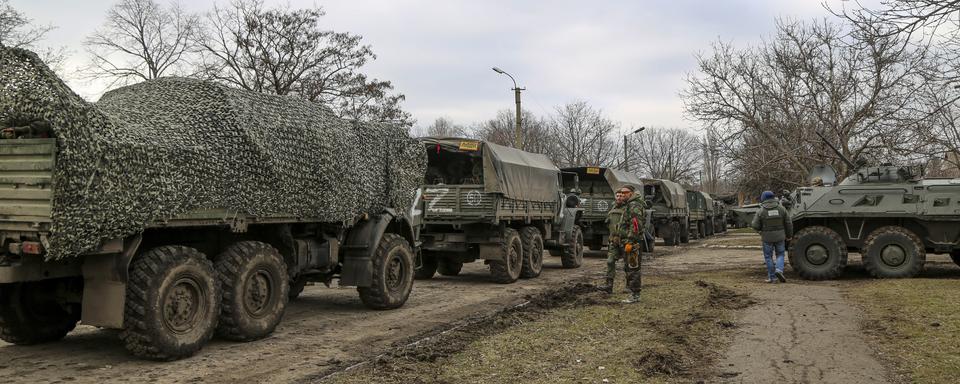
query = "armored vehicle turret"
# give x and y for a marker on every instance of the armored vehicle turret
(886, 213)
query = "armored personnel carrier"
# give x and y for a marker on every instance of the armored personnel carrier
(886, 213)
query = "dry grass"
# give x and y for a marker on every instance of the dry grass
(914, 324)
(674, 335)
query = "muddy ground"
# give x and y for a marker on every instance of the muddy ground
(329, 330)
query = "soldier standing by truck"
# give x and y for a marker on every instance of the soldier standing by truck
(626, 222)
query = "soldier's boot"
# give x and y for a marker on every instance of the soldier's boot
(607, 287)
(634, 298)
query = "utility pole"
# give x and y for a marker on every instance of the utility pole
(517, 140)
(626, 157)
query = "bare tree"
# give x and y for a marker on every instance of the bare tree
(583, 135)
(284, 51)
(141, 40)
(444, 127)
(667, 153)
(856, 86)
(19, 31)
(534, 132)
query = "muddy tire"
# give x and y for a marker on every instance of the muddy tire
(428, 267)
(818, 253)
(254, 290)
(508, 270)
(173, 299)
(30, 313)
(392, 274)
(701, 230)
(447, 267)
(893, 252)
(532, 241)
(572, 256)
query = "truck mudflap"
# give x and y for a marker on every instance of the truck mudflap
(361, 244)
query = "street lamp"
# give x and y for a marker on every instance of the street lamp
(626, 159)
(516, 92)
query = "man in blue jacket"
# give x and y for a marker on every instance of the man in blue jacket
(773, 223)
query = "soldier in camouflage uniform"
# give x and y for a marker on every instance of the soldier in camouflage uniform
(626, 224)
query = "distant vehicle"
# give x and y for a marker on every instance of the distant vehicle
(719, 216)
(741, 217)
(709, 214)
(888, 214)
(671, 217)
(499, 204)
(698, 214)
(596, 191)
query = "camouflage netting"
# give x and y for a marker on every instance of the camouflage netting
(155, 150)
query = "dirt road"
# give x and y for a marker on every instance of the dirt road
(323, 330)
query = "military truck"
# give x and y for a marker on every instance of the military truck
(483, 201)
(595, 187)
(888, 214)
(173, 282)
(742, 217)
(697, 206)
(709, 214)
(671, 217)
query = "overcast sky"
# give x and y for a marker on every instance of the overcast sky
(628, 58)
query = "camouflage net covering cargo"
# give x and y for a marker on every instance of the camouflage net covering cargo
(159, 149)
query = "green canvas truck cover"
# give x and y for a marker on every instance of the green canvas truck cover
(509, 171)
(674, 193)
(163, 148)
(618, 178)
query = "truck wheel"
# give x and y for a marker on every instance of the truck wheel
(448, 267)
(428, 268)
(507, 270)
(572, 255)
(685, 233)
(392, 274)
(818, 253)
(254, 289)
(532, 252)
(893, 252)
(173, 299)
(701, 230)
(30, 313)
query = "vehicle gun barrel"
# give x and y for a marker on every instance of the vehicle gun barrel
(850, 164)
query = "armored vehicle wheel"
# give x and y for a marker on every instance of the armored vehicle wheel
(685, 233)
(254, 290)
(392, 274)
(429, 266)
(448, 267)
(532, 252)
(818, 253)
(173, 299)
(507, 270)
(893, 252)
(572, 255)
(30, 313)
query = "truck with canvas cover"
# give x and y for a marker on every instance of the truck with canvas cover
(698, 214)
(483, 201)
(177, 209)
(596, 192)
(719, 216)
(671, 217)
(889, 214)
(709, 213)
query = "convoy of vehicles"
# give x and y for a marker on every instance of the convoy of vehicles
(671, 216)
(595, 187)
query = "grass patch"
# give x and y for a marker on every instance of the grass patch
(675, 333)
(741, 230)
(914, 324)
